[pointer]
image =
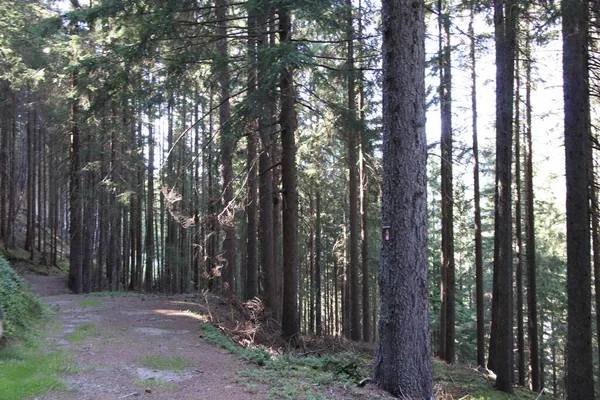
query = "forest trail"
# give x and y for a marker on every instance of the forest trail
(111, 337)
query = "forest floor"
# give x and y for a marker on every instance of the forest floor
(148, 346)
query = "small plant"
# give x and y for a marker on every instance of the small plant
(163, 363)
(81, 332)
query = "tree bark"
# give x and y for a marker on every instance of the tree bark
(290, 323)
(403, 364)
(476, 197)
(519, 233)
(448, 317)
(579, 379)
(352, 143)
(532, 319)
(501, 342)
(227, 147)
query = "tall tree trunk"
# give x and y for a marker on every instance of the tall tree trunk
(354, 297)
(75, 212)
(290, 323)
(227, 147)
(403, 364)
(447, 319)
(501, 342)
(532, 320)
(519, 232)
(318, 290)
(364, 194)
(580, 378)
(477, 206)
(149, 242)
(252, 199)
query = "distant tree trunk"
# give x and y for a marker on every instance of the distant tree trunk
(403, 364)
(447, 328)
(364, 202)
(354, 297)
(501, 342)
(290, 323)
(251, 208)
(149, 243)
(532, 320)
(4, 160)
(30, 225)
(199, 252)
(477, 206)
(580, 377)
(75, 211)
(227, 147)
(318, 290)
(266, 194)
(252, 199)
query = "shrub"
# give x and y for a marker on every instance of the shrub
(21, 307)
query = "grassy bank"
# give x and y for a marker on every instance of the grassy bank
(27, 367)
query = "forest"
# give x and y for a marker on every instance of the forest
(245, 148)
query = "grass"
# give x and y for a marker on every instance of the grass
(82, 332)
(27, 369)
(90, 303)
(164, 363)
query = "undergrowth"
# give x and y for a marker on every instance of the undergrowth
(22, 309)
(293, 376)
(27, 368)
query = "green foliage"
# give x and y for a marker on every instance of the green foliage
(21, 308)
(164, 363)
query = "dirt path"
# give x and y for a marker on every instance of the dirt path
(120, 331)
